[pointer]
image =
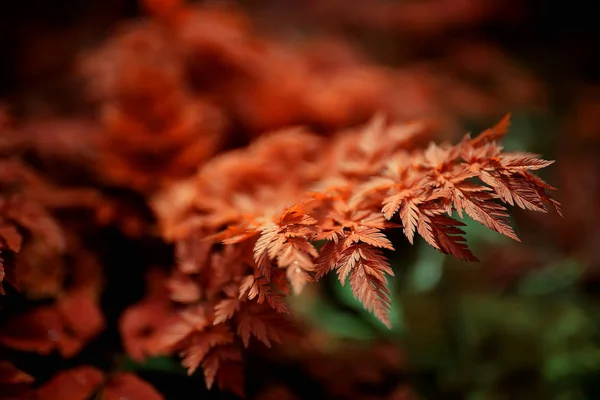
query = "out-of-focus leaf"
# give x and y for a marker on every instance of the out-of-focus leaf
(157, 364)
(554, 278)
(426, 273)
(425, 332)
(311, 307)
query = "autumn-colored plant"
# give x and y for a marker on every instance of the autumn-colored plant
(42, 256)
(258, 223)
(238, 170)
(182, 84)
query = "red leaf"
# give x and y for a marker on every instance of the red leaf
(450, 238)
(74, 384)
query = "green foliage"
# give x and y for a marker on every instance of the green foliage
(151, 364)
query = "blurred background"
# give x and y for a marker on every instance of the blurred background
(110, 94)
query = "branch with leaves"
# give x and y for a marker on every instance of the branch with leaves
(268, 219)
